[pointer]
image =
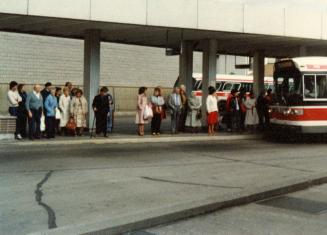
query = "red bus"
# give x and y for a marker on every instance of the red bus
(300, 95)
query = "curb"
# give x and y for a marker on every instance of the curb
(155, 217)
(131, 140)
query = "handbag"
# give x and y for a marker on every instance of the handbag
(199, 115)
(71, 124)
(148, 113)
(58, 114)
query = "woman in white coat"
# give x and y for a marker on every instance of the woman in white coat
(251, 117)
(212, 110)
(64, 106)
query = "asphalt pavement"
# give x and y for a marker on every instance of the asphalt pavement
(46, 187)
(301, 213)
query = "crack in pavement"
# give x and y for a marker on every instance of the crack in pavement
(188, 183)
(38, 199)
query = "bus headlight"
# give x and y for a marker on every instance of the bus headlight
(287, 112)
(295, 112)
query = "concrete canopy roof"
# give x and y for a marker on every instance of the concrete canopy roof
(241, 27)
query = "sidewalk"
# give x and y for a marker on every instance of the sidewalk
(125, 133)
(130, 139)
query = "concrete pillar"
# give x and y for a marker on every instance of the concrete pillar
(91, 69)
(302, 51)
(209, 70)
(186, 66)
(258, 72)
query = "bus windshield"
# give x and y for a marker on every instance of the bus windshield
(288, 89)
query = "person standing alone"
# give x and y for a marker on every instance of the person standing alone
(101, 109)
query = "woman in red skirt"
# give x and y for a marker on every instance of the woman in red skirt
(212, 110)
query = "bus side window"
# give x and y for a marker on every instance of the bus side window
(309, 86)
(322, 86)
(197, 85)
(237, 86)
(247, 86)
(228, 86)
(218, 84)
(250, 87)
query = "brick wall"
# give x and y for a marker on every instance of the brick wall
(36, 59)
(33, 59)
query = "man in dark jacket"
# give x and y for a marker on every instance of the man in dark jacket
(233, 111)
(46, 91)
(261, 109)
(101, 109)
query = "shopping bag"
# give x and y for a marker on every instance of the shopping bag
(58, 114)
(42, 126)
(148, 113)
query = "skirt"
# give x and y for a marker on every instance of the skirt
(212, 118)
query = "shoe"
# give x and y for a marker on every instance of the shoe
(18, 137)
(158, 133)
(153, 133)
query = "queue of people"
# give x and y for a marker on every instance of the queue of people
(55, 111)
(243, 111)
(52, 111)
(246, 112)
(185, 112)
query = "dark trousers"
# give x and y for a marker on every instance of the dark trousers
(182, 119)
(22, 122)
(101, 122)
(156, 123)
(175, 116)
(34, 124)
(50, 126)
(235, 118)
(13, 111)
(267, 119)
(242, 120)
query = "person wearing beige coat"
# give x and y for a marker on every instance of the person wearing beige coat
(79, 110)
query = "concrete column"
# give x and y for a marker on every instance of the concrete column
(186, 66)
(209, 70)
(91, 69)
(258, 72)
(302, 51)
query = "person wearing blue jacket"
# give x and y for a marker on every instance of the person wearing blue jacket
(34, 107)
(50, 105)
